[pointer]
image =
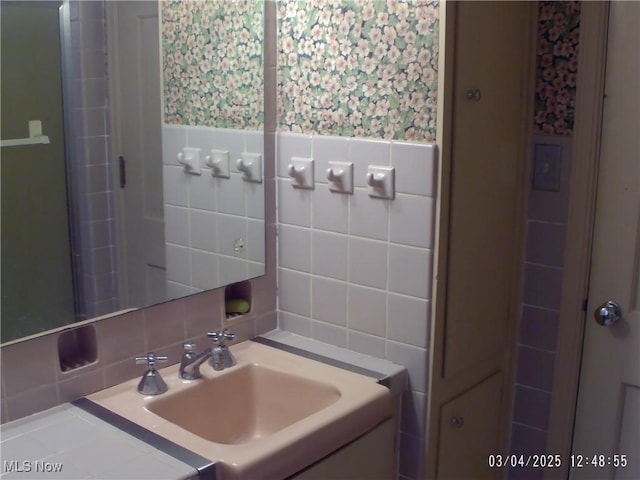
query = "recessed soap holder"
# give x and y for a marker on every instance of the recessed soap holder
(189, 158)
(250, 165)
(301, 172)
(77, 347)
(381, 182)
(218, 161)
(340, 176)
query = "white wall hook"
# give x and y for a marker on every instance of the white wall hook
(381, 181)
(301, 172)
(250, 164)
(340, 176)
(218, 161)
(189, 158)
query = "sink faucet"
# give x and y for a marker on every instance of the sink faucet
(191, 361)
(151, 382)
(219, 355)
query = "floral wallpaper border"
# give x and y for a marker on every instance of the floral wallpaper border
(213, 63)
(357, 68)
(557, 66)
(363, 68)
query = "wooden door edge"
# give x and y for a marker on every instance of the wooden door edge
(115, 149)
(586, 148)
(447, 15)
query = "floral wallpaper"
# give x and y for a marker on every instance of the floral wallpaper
(212, 63)
(363, 68)
(557, 66)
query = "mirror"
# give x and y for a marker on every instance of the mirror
(106, 216)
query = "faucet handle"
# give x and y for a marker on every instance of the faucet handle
(189, 347)
(151, 359)
(151, 382)
(225, 334)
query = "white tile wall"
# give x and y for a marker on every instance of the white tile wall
(355, 271)
(204, 215)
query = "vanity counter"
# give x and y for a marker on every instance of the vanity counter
(66, 442)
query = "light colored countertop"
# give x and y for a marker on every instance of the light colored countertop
(391, 375)
(66, 442)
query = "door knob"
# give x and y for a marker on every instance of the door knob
(608, 313)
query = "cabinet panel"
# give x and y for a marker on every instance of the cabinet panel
(371, 457)
(469, 432)
(487, 161)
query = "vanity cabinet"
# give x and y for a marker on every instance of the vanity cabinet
(369, 457)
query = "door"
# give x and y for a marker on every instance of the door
(137, 131)
(607, 428)
(36, 281)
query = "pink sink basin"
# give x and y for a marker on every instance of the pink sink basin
(260, 402)
(270, 416)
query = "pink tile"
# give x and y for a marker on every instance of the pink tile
(81, 385)
(535, 368)
(164, 324)
(120, 337)
(542, 286)
(546, 243)
(532, 407)
(24, 370)
(539, 328)
(28, 402)
(411, 456)
(204, 312)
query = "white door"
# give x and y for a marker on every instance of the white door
(607, 430)
(137, 132)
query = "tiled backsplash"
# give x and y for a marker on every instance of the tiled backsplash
(32, 379)
(355, 271)
(205, 215)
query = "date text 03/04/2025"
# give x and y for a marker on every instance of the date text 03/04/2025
(555, 461)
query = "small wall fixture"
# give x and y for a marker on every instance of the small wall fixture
(218, 161)
(340, 176)
(381, 182)
(301, 172)
(35, 136)
(189, 158)
(250, 165)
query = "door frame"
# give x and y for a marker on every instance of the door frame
(581, 218)
(114, 149)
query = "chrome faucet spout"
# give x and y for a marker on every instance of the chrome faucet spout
(191, 361)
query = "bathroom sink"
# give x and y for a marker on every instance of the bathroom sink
(270, 416)
(251, 402)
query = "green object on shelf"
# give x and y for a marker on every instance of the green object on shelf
(237, 305)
